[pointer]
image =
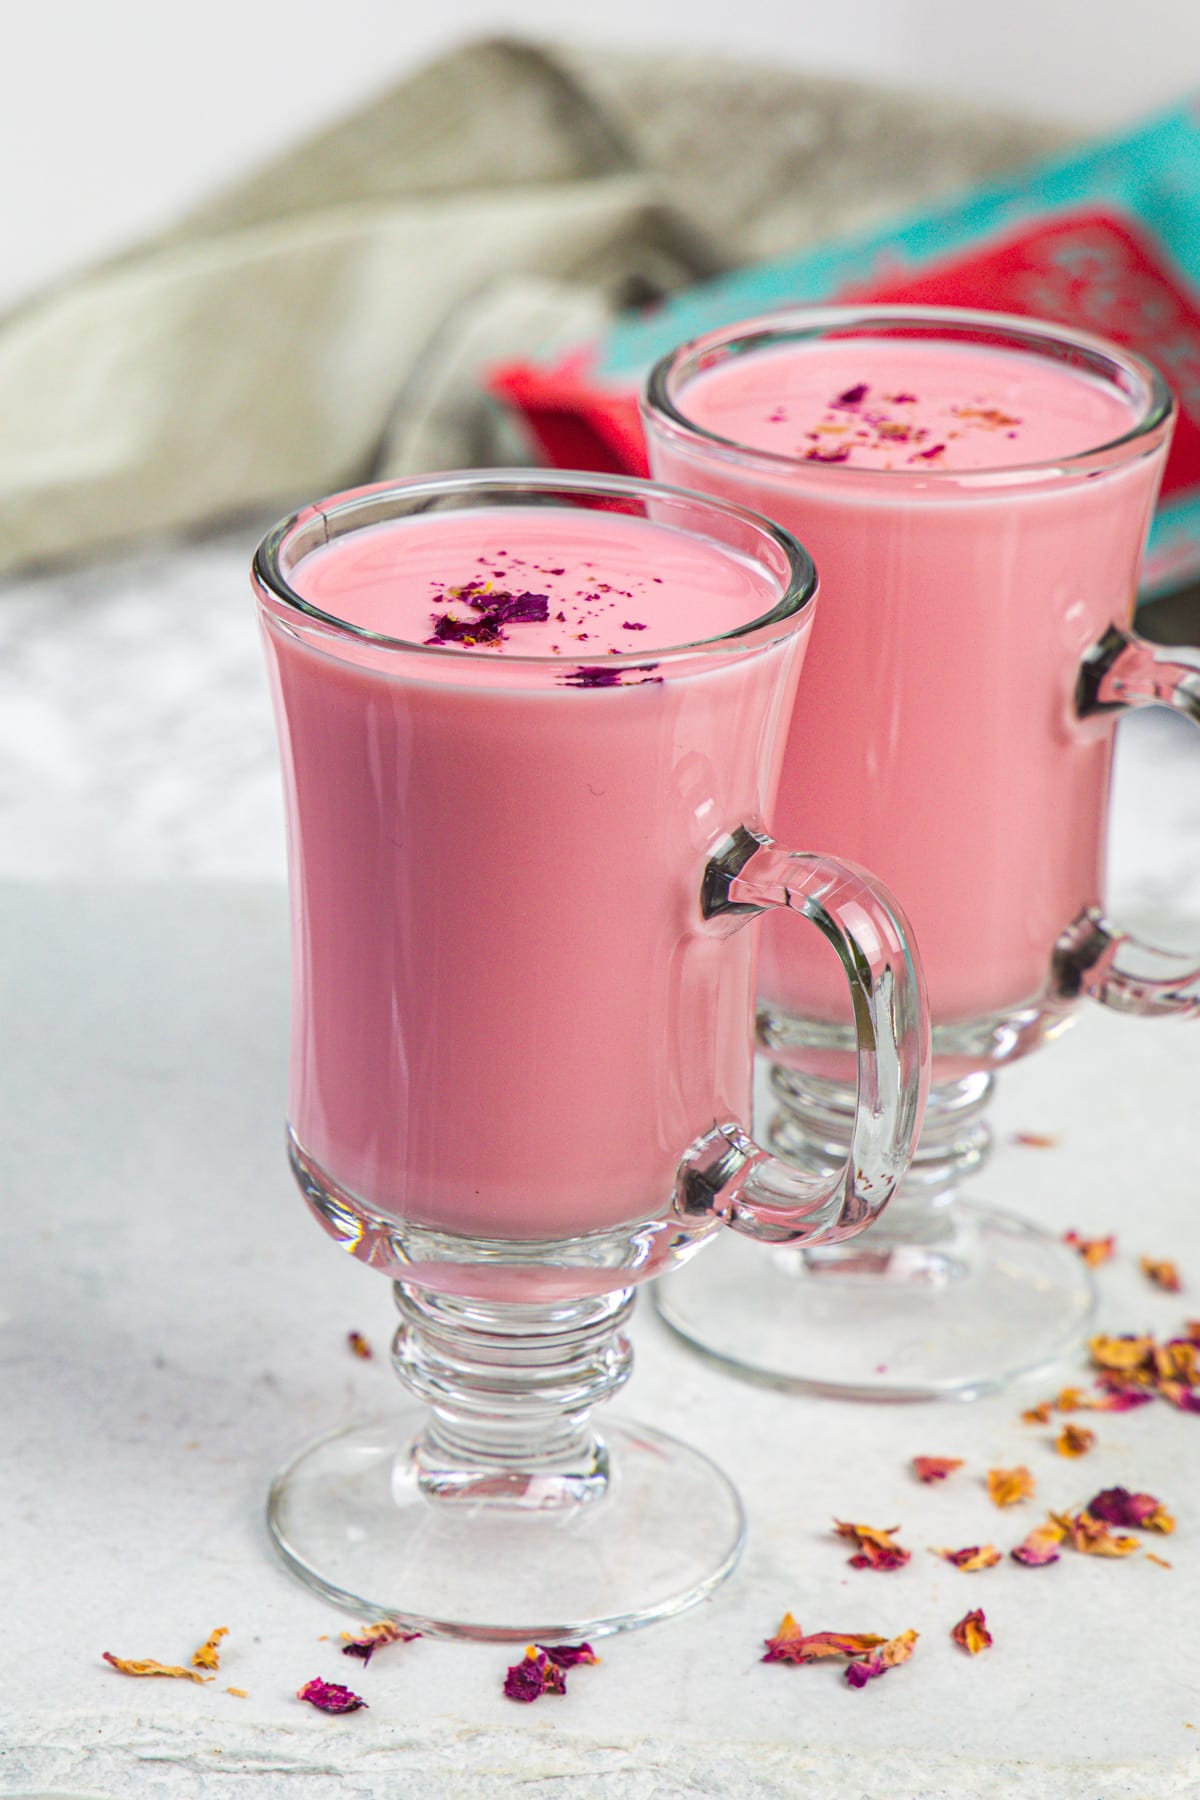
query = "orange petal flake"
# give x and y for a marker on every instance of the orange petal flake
(1039, 1414)
(208, 1656)
(897, 1650)
(1074, 1440)
(935, 1468)
(1008, 1486)
(874, 1548)
(1041, 1547)
(1093, 1537)
(1125, 1355)
(1094, 1251)
(359, 1345)
(1163, 1274)
(971, 1633)
(1035, 1140)
(974, 1557)
(146, 1666)
(790, 1645)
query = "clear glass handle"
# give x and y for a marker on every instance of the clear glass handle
(726, 1172)
(1094, 957)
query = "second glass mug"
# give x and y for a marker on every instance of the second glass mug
(972, 655)
(522, 1005)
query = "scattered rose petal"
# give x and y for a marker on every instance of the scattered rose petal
(897, 1650)
(1123, 1354)
(569, 1656)
(1006, 1487)
(534, 1676)
(364, 1643)
(1136, 1512)
(975, 1556)
(790, 1645)
(1074, 1440)
(1092, 1536)
(1039, 1414)
(853, 396)
(1191, 1328)
(329, 1696)
(1178, 1360)
(359, 1345)
(1035, 1140)
(935, 1468)
(1094, 1251)
(238, 1693)
(146, 1666)
(1185, 1398)
(1072, 1399)
(1163, 1274)
(208, 1656)
(1041, 1546)
(971, 1633)
(874, 1548)
(1160, 1560)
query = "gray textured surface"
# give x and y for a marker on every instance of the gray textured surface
(174, 1325)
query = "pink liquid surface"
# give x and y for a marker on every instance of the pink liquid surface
(509, 1019)
(934, 738)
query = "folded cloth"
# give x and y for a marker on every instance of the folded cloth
(327, 320)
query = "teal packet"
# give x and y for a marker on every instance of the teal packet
(1105, 238)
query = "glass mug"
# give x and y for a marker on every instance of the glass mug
(976, 491)
(530, 732)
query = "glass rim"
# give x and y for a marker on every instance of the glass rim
(660, 405)
(408, 492)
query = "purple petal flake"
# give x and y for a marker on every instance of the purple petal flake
(568, 1656)
(853, 396)
(631, 625)
(926, 455)
(839, 454)
(330, 1696)
(594, 676)
(496, 610)
(859, 1673)
(534, 1676)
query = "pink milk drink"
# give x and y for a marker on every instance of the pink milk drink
(976, 492)
(530, 729)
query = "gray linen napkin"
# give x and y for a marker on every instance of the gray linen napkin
(325, 320)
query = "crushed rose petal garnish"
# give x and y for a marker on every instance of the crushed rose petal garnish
(935, 1468)
(1035, 1140)
(330, 1696)
(359, 1345)
(1136, 1512)
(1007, 1487)
(1124, 1354)
(1039, 1414)
(238, 1693)
(570, 1656)
(874, 1549)
(147, 1666)
(790, 1645)
(1041, 1546)
(1074, 1440)
(1163, 1274)
(534, 1676)
(1094, 1251)
(1092, 1536)
(364, 1643)
(971, 1633)
(897, 1650)
(975, 1556)
(208, 1656)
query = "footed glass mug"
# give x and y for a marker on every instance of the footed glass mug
(976, 491)
(530, 731)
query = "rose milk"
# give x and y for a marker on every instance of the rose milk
(935, 738)
(510, 1020)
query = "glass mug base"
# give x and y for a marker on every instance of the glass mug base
(996, 1299)
(350, 1515)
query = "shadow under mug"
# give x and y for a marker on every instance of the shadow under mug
(954, 732)
(521, 1045)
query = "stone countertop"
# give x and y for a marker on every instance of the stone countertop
(173, 1326)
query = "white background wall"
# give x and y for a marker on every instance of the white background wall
(114, 113)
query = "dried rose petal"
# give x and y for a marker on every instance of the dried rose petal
(569, 1656)
(1094, 1251)
(1124, 1354)
(1092, 1536)
(1041, 1546)
(1118, 1395)
(1074, 1440)
(534, 1676)
(1036, 1140)
(975, 1556)
(1160, 1560)
(1191, 1328)
(1072, 1399)
(208, 1656)
(364, 1643)
(935, 1468)
(971, 1633)
(874, 1548)
(1008, 1486)
(1163, 1274)
(238, 1693)
(1178, 1360)
(1136, 1512)
(147, 1666)
(897, 1650)
(1185, 1398)
(329, 1696)
(1039, 1414)
(790, 1645)
(359, 1345)
(853, 396)
(597, 676)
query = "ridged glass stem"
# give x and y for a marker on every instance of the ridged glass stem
(511, 1388)
(811, 1128)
